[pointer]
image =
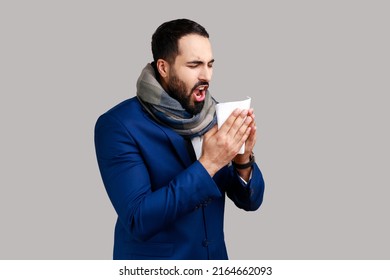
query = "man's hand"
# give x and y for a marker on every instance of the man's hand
(221, 146)
(249, 145)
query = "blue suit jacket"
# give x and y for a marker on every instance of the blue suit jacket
(168, 206)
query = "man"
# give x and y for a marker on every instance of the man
(165, 165)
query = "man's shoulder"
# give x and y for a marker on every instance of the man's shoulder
(131, 105)
(128, 113)
(128, 109)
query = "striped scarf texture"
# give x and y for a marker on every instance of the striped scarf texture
(168, 111)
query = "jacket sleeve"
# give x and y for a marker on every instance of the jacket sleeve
(245, 196)
(144, 212)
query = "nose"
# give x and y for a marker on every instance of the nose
(206, 73)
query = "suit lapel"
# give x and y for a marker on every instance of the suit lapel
(181, 146)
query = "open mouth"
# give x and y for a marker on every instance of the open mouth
(200, 92)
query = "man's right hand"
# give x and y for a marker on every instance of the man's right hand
(221, 146)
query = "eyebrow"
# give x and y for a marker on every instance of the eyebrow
(200, 62)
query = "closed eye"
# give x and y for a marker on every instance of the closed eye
(196, 63)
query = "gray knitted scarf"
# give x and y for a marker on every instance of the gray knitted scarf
(168, 111)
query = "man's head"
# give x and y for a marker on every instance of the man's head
(183, 58)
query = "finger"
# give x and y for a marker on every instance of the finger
(251, 141)
(253, 123)
(252, 137)
(229, 121)
(244, 138)
(242, 130)
(238, 123)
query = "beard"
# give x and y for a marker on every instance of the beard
(178, 90)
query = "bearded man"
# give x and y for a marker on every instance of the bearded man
(164, 163)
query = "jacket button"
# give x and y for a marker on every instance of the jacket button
(205, 243)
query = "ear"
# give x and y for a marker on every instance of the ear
(162, 67)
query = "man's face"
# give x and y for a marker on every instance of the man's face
(190, 74)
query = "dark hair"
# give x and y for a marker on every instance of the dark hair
(166, 37)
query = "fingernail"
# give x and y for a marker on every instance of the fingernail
(244, 113)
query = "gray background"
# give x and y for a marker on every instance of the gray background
(318, 75)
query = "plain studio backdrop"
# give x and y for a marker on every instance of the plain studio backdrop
(317, 72)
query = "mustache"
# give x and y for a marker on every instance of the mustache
(199, 84)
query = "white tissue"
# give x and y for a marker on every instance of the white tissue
(224, 110)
